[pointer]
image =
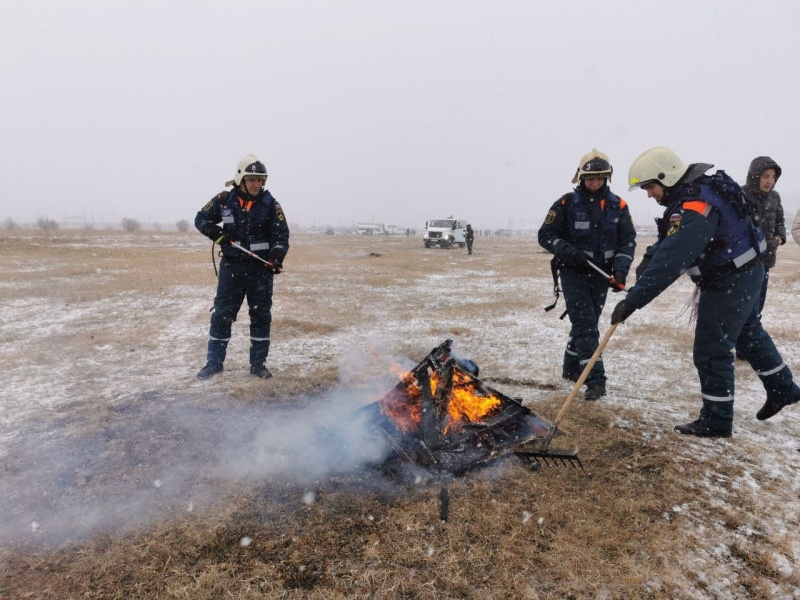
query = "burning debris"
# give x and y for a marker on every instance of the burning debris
(442, 420)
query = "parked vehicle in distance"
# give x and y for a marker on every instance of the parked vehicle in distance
(371, 229)
(445, 233)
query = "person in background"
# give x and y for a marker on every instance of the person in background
(469, 237)
(253, 219)
(589, 224)
(796, 228)
(705, 234)
(760, 191)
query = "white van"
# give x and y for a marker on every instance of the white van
(445, 233)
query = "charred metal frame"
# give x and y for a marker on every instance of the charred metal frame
(511, 429)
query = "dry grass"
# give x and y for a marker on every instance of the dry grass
(511, 533)
(610, 531)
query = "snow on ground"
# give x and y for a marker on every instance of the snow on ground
(56, 353)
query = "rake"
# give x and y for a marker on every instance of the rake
(543, 454)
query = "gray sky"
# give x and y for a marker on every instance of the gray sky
(369, 110)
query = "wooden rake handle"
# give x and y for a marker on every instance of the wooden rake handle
(576, 388)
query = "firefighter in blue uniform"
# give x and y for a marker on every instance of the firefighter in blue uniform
(253, 219)
(703, 234)
(589, 224)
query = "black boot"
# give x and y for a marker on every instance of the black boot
(699, 429)
(209, 370)
(260, 371)
(594, 391)
(570, 375)
(772, 408)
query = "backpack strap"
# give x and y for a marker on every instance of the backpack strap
(555, 263)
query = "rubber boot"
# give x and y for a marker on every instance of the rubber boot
(258, 352)
(217, 350)
(716, 420)
(775, 404)
(209, 370)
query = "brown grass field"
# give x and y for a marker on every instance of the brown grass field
(103, 335)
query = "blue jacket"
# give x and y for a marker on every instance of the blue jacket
(701, 234)
(262, 229)
(599, 225)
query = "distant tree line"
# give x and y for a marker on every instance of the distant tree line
(127, 224)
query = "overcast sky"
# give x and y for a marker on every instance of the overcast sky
(370, 110)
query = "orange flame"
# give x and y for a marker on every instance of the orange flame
(469, 402)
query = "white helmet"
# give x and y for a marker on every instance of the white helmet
(660, 165)
(593, 163)
(249, 165)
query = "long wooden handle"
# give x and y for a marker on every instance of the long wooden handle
(576, 388)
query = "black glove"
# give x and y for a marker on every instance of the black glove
(622, 311)
(617, 281)
(642, 266)
(276, 258)
(211, 231)
(224, 240)
(575, 258)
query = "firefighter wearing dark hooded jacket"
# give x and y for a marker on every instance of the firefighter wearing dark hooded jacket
(253, 219)
(589, 224)
(703, 234)
(760, 191)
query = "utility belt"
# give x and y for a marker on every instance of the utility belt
(740, 263)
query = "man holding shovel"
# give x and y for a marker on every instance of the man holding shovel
(254, 239)
(707, 232)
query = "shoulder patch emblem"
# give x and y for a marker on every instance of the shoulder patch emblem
(551, 216)
(279, 212)
(208, 206)
(674, 224)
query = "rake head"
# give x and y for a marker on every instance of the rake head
(550, 458)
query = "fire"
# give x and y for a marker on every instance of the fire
(466, 404)
(402, 406)
(469, 402)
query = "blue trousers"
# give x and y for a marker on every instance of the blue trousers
(585, 295)
(763, 296)
(728, 317)
(239, 280)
